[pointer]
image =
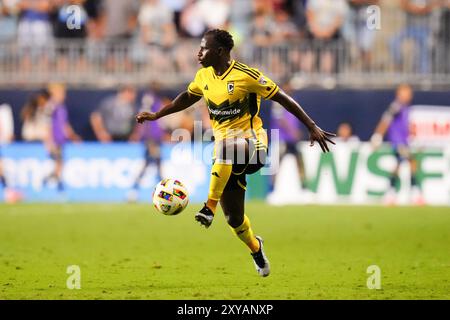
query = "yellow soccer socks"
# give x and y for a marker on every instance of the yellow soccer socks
(220, 173)
(245, 233)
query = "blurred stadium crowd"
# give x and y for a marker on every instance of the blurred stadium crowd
(92, 43)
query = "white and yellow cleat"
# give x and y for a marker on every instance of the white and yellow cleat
(260, 260)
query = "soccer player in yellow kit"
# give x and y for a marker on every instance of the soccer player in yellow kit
(233, 94)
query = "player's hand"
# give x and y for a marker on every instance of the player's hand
(376, 140)
(322, 137)
(141, 117)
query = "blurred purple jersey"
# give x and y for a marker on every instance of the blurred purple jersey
(398, 132)
(59, 121)
(287, 123)
(151, 130)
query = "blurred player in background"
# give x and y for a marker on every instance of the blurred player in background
(290, 136)
(60, 131)
(35, 118)
(233, 94)
(6, 137)
(395, 123)
(151, 134)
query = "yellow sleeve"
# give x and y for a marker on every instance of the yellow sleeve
(195, 86)
(262, 86)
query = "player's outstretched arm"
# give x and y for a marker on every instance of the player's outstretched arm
(315, 133)
(377, 138)
(183, 101)
(384, 124)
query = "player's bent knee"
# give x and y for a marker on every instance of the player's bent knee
(234, 221)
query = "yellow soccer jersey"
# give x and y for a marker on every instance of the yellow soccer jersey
(234, 99)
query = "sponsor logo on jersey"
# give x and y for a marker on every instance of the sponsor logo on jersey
(227, 111)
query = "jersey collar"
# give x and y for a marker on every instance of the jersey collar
(226, 72)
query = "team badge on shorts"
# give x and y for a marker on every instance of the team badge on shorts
(230, 87)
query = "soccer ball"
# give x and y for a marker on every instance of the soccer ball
(170, 197)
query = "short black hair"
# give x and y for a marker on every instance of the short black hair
(222, 37)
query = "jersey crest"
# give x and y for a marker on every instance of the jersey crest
(230, 87)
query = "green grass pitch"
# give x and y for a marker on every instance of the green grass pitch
(131, 252)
